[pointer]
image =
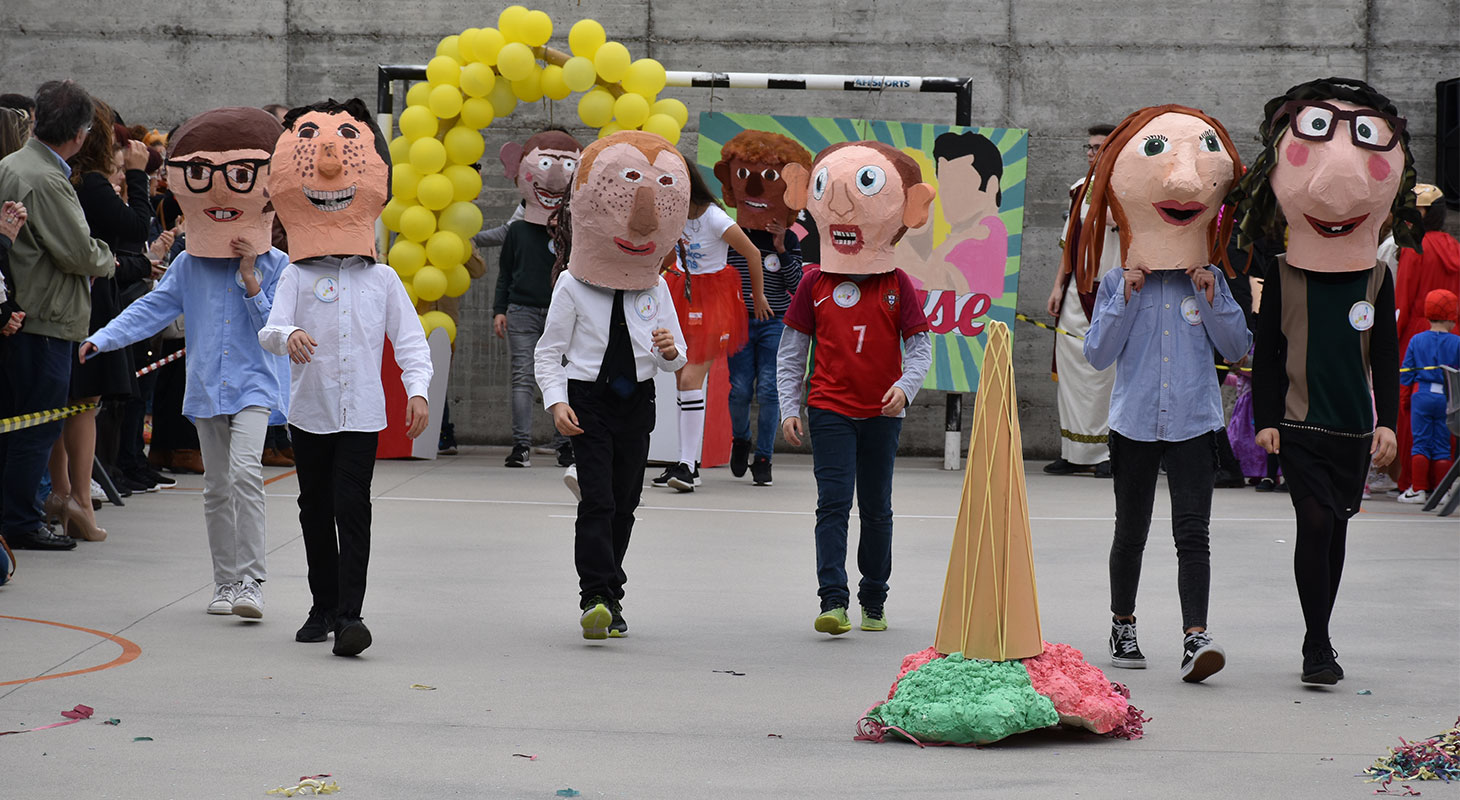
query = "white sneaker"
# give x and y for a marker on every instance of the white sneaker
(570, 479)
(222, 602)
(249, 600)
(97, 493)
(1367, 494)
(1412, 497)
(1380, 481)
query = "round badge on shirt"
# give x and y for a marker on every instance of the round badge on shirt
(327, 289)
(1361, 315)
(238, 278)
(846, 294)
(645, 306)
(771, 263)
(1190, 311)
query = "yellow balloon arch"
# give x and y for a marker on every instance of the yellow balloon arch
(476, 77)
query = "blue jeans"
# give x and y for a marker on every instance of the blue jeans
(852, 454)
(753, 371)
(35, 376)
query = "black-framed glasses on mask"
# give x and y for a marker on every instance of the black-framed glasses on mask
(1315, 121)
(240, 174)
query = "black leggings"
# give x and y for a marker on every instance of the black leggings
(1318, 565)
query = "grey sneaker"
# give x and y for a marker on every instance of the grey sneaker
(248, 600)
(1201, 658)
(222, 602)
(1124, 652)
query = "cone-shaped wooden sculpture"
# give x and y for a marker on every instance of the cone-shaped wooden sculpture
(990, 604)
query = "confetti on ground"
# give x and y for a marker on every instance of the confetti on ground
(423, 687)
(525, 755)
(142, 738)
(112, 721)
(1364, 692)
(774, 736)
(73, 716)
(308, 786)
(568, 793)
(1434, 759)
(729, 672)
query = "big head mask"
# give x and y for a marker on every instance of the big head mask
(542, 168)
(752, 179)
(864, 196)
(629, 204)
(332, 171)
(218, 166)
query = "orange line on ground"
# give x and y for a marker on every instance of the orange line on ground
(280, 477)
(274, 479)
(130, 651)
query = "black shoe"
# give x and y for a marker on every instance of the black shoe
(317, 628)
(739, 456)
(1266, 485)
(565, 455)
(617, 627)
(137, 482)
(1102, 470)
(446, 444)
(521, 456)
(760, 471)
(1229, 480)
(661, 480)
(351, 638)
(681, 477)
(158, 479)
(1059, 466)
(1201, 658)
(1320, 665)
(39, 539)
(1124, 652)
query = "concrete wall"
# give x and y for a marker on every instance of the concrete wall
(1051, 66)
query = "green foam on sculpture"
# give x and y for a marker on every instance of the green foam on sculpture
(966, 701)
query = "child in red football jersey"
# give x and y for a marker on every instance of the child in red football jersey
(872, 353)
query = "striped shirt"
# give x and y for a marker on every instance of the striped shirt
(782, 271)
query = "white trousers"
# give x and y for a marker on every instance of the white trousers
(233, 492)
(1083, 392)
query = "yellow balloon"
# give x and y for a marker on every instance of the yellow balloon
(450, 47)
(579, 74)
(466, 46)
(645, 76)
(458, 280)
(502, 98)
(428, 155)
(609, 129)
(509, 22)
(443, 71)
(552, 83)
(417, 223)
(487, 44)
(430, 283)
(407, 257)
(612, 61)
(516, 61)
(404, 181)
(390, 215)
(673, 108)
(529, 89)
(477, 79)
(410, 291)
(536, 28)
(461, 218)
(431, 320)
(464, 145)
(477, 112)
(417, 122)
(418, 94)
(400, 150)
(664, 125)
(596, 108)
(434, 192)
(445, 101)
(466, 183)
(445, 249)
(630, 110)
(585, 37)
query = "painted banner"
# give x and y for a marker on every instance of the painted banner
(965, 260)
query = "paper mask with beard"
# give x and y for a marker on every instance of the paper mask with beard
(630, 201)
(864, 196)
(542, 169)
(218, 166)
(331, 181)
(751, 172)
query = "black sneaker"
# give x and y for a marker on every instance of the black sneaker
(565, 455)
(316, 628)
(1320, 665)
(352, 637)
(1266, 485)
(1059, 466)
(739, 456)
(681, 477)
(617, 628)
(1201, 658)
(1102, 470)
(138, 481)
(596, 618)
(661, 480)
(158, 478)
(1124, 652)
(446, 444)
(760, 471)
(520, 456)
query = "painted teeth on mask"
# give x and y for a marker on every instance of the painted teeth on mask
(844, 237)
(754, 204)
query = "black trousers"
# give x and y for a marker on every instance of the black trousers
(612, 452)
(334, 471)
(170, 429)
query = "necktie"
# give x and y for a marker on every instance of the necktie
(618, 373)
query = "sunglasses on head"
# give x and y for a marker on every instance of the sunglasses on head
(1315, 121)
(239, 174)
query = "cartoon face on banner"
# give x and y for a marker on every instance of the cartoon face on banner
(630, 202)
(751, 172)
(864, 196)
(332, 171)
(542, 168)
(218, 166)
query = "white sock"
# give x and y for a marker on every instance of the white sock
(691, 425)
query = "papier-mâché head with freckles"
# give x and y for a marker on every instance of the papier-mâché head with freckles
(542, 168)
(218, 166)
(864, 196)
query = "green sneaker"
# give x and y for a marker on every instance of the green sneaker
(596, 618)
(873, 620)
(833, 621)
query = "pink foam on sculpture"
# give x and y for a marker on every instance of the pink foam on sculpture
(1081, 693)
(912, 662)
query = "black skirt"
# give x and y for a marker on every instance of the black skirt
(1329, 467)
